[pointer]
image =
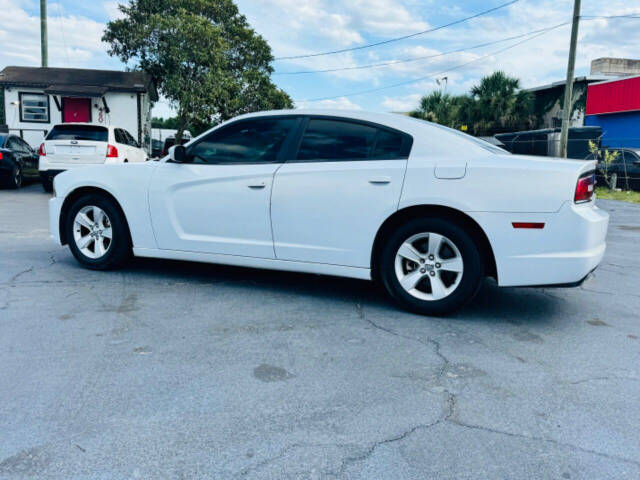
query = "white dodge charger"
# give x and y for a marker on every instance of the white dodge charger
(425, 210)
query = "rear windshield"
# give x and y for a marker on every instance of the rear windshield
(78, 132)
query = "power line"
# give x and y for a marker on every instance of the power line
(442, 54)
(431, 75)
(415, 59)
(404, 37)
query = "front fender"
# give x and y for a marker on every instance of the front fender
(127, 183)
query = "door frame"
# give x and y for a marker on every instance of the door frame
(292, 152)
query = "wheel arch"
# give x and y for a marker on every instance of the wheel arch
(77, 193)
(438, 211)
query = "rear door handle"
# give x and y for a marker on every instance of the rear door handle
(257, 186)
(380, 179)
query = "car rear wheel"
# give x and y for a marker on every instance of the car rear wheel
(431, 266)
(47, 183)
(97, 233)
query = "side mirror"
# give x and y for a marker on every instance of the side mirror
(178, 154)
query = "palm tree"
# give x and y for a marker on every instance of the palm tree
(496, 104)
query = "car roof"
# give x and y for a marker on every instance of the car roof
(429, 138)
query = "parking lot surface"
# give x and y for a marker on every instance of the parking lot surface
(179, 370)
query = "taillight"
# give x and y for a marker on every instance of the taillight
(0, 155)
(112, 151)
(41, 150)
(584, 187)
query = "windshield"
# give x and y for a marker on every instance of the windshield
(78, 132)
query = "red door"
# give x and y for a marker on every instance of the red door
(76, 109)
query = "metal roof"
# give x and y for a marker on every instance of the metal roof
(64, 78)
(561, 83)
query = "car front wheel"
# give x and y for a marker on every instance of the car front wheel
(431, 266)
(97, 232)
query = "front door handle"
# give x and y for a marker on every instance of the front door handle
(257, 186)
(380, 179)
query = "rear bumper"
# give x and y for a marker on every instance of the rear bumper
(563, 253)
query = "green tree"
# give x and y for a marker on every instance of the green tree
(202, 55)
(496, 104)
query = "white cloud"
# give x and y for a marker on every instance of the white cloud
(338, 104)
(404, 103)
(73, 41)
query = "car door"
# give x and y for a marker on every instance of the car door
(330, 199)
(19, 155)
(632, 163)
(218, 201)
(137, 155)
(29, 159)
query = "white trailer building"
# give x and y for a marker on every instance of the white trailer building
(33, 99)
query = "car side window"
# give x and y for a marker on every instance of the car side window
(629, 158)
(12, 144)
(130, 140)
(22, 145)
(118, 134)
(251, 141)
(388, 145)
(332, 140)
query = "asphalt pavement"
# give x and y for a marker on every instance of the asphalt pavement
(180, 370)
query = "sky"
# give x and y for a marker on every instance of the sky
(305, 27)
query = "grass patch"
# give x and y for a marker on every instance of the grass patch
(625, 196)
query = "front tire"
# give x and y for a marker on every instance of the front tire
(97, 232)
(431, 266)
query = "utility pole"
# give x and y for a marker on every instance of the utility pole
(43, 33)
(568, 87)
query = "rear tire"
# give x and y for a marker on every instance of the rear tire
(47, 184)
(97, 232)
(431, 266)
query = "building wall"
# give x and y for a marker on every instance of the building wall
(618, 129)
(123, 113)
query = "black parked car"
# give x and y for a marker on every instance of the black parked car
(18, 161)
(624, 171)
(156, 148)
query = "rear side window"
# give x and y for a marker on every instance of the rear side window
(251, 141)
(336, 140)
(388, 145)
(78, 132)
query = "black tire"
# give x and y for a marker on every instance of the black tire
(47, 184)
(16, 178)
(119, 249)
(472, 274)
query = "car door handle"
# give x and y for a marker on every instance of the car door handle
(380, 180)
(256, 186)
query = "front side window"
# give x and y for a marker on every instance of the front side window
(251, 141)
(336, 140)
(34, 107)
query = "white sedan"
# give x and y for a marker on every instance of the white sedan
(425, 210)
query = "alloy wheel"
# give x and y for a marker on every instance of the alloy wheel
(429, 266)
(92, 231)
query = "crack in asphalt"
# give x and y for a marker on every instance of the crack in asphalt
(544, 439)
